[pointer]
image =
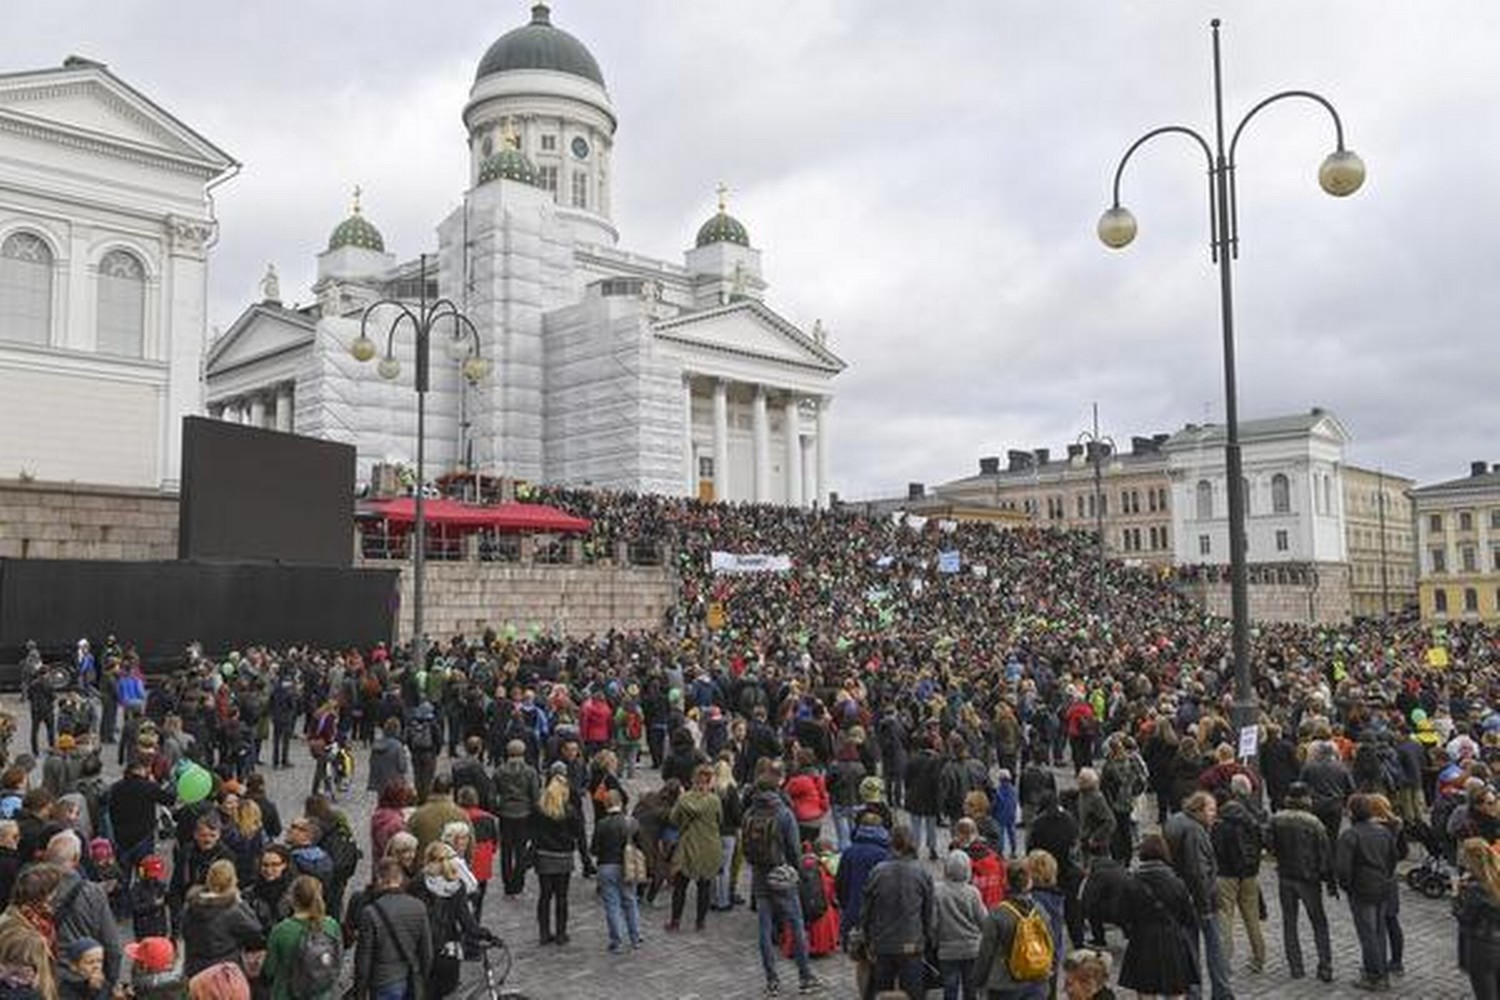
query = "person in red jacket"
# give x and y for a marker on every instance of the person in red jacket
(987, 869)
(808, 793)
(595, 724)
(486, 836)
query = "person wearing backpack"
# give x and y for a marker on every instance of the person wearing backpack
(1239, 841)
(423, 739)
(769, 834)
(304, 954)
(1016, 951)
(630, 731)
(393, 956)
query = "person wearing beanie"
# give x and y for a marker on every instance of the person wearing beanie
(1304, 864)
(872, 800)
(80, 973)
(959, 913)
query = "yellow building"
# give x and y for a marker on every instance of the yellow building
(1458, 546)
(1380, 539)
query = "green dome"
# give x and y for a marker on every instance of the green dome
(539, 45)
(723, 228)
(509, 163)
(356, 231)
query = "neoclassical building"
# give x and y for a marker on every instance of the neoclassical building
(609, 368)
(106, 223)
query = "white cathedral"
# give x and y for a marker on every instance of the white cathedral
(607, 368)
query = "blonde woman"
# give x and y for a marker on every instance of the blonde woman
(285, 947)
(217, 925)
(25, 961)
(732, 813)
(444, 888)
(556, 835)
(460, 839)
(1478, 911)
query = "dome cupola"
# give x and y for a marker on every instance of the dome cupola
(508, 162)
(723, 227)
(539, 46)
(356, 231)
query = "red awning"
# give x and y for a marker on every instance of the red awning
(496, 517)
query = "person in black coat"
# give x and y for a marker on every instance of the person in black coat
(923, 796)
(1159, 917)
(1278, 765)
(1056, 831)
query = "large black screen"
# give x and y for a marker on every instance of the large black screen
(162, 606)
(264, 496)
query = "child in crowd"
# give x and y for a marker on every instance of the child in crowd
(10, 855)
(1004, 811)
(105, 870)
(153, 969)
(148, 899)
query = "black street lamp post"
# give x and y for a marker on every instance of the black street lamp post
(1098, 447)
(1341, 174)
(465, 347)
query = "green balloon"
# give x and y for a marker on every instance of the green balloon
(194, 784)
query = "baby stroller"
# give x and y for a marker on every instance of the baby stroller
(1435, 875)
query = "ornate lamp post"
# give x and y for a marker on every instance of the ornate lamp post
(1097, 447)
(464, 346)
(1341, 174)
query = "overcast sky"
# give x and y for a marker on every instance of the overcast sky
(926, 178)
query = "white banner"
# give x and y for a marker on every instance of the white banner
(749, 562)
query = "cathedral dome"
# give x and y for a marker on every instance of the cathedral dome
(723, 227)
(539, 45)
(508, 163)
(356, 231)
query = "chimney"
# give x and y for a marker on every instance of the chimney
(1042, 454)
(1015, 460)
(1161, 439)
(1075, 451)
(1479, 468)
(915, 491)
(989, 465)
(1141, 445)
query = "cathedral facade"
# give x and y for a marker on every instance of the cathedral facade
(607, 368)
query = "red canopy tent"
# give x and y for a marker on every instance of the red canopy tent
(503, 517)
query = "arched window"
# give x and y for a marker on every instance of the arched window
(1247, 496)
(1281, 494)
(122, 304)
(1205, 500)
(25, 289)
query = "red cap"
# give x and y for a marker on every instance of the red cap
(153, 867)
(153, 954)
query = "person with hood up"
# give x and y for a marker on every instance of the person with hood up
(443, 889)
(960, 914)
(869, 845)
(218, 926)
(390, 760)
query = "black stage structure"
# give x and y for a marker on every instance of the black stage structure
(266, 542)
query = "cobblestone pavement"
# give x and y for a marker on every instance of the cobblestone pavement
(723, 963)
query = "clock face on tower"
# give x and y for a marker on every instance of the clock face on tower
(580, 148)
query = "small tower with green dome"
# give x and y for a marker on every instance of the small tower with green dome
(354, 264)
(726, 268)
(508, 162)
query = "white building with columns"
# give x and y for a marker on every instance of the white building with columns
(610, 368)
(106, 222)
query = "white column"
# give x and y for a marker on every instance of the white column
(284, 407)
(721, 440)
(689, 465)
(258, 410)
(809, 470)
(762, 427)
(231, 411)
(820, 495)
(793, 453)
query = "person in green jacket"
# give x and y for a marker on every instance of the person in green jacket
(697, 816)
(295, 971)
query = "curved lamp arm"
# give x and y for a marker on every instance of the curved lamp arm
(405, 311)
(1338, 124)
(1208, 159)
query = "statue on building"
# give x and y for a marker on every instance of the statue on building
(270, 286)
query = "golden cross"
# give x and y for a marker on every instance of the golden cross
(357, 192)
(723, 192)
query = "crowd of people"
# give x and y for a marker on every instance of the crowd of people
(955, 754)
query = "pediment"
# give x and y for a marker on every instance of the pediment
(88, 101)
(749, 328)
(262, 331)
